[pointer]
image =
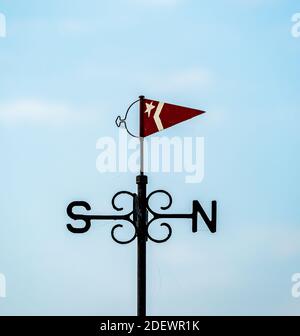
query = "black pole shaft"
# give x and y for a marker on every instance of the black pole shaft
(141, 181)
(141, 224)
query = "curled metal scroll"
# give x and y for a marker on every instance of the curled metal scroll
(113, 201)
(160, 240)
(119, 241)
(132, 221)
(165, 207)
(157, 216)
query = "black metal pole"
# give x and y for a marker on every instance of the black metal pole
(141, 181)
(141, 224)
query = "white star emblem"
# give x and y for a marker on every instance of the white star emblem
(149, 108)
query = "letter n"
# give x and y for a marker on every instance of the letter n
(211, 223)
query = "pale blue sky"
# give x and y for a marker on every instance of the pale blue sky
(67, 69)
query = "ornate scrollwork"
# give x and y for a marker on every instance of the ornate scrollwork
(133, 217)
(158, 216)
(113, 201)
(117, 240)
(166, 207)
(132, 221)
(159, 240)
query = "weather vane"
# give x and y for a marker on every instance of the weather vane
(154, 117)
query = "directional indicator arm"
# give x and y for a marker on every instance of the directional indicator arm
(197, 209)
(131, 217)
(87, 218)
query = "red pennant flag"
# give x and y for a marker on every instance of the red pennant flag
(157, 116)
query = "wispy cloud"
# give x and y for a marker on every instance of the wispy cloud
(34, 110)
